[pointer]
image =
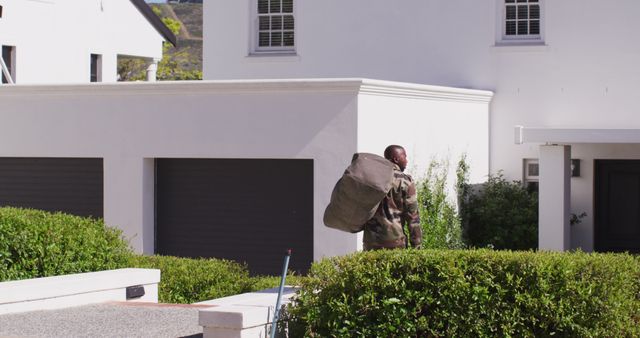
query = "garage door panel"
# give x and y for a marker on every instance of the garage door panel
(70, 185)
(246, 210)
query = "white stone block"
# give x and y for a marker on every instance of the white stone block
(234, 316)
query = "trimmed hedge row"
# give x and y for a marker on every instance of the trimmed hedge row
(483, 293)
(189, 280)
(36, 243)
(185, 280)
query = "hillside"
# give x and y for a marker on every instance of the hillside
(189, 50)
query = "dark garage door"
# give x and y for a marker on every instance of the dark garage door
(241, 209)
(617, 206)
(70, 185)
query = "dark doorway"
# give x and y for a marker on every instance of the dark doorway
(617, 206)
(96, 68)
(8, 57)
(69, 185)
(247, 210)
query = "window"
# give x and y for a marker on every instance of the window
(9, 57)
(531, 174)
(96, 68)
(275, 26)
(522, 20)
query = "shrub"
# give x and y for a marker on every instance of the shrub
(37, 243)
(188, 280)
(502, 215)
(479, 293)
(258, 283)
(441, 227)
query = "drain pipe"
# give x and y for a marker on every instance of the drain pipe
(152, 70)
(5, 71)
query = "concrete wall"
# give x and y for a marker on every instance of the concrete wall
(131, 124)
(78, 289)
(583, 74)
(54, 38)
(434, 126)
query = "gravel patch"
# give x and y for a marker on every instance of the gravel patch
(105, 320)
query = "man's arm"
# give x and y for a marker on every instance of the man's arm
(411, 215)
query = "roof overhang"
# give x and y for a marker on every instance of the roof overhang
(155, 21)
(574, 136)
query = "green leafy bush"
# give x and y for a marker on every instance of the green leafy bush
(36, 243)
(188, 280)
(501, 214)
(478, 293)
(268, 282)
(191, 280)
(441, 226)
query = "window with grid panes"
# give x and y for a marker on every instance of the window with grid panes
(522, 19)
(275, 25)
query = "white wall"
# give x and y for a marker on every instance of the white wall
(428, 127)
(583, 75)
(130, 124)
(54, 38)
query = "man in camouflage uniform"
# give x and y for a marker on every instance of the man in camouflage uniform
(385, 230)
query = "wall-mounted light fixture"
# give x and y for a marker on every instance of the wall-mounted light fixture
(575, 168)
(0, 11)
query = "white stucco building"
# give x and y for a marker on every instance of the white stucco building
(231, 169)
(564, 73)
(242, 165)
(77, 41)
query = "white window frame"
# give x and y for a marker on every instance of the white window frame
(528, 175)
(255, 30)
(524, 38)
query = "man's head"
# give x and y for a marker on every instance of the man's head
(397, 155)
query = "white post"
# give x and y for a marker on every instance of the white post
(554, 198)
(152, 70)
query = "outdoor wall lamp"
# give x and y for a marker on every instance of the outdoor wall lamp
(575, 168)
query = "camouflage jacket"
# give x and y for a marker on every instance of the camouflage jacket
(386, 228)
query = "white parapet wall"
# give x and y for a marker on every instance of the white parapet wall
(130, 125)
(77, 289)
(244, 315)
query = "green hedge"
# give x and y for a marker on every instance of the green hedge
(480, 293)
(36, 243)
(186, 280)
(500, 214)
(189, 280)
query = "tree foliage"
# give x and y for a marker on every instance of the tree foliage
(172, 66)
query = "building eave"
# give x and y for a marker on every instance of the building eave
(575, 136)
(357, 86)
(155, 21)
